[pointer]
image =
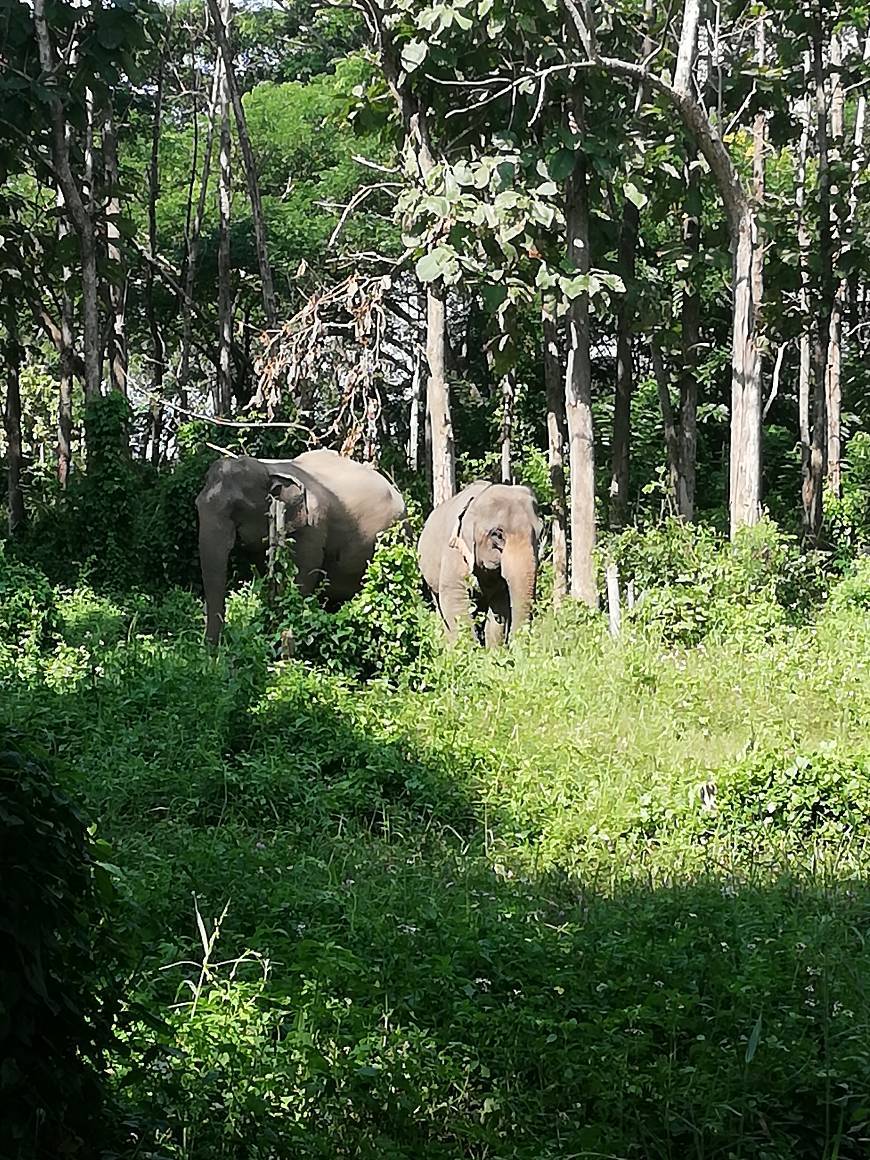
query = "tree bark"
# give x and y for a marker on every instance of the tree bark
(578, 386)
(117, 275)
(82, 220)
(221, 18)
(833, 384)
(818, 441)
(554, 383)
(508, 398)
(65, 343)
(225, 291)
(193, 238)
(12, 422)
(690, 320)
(158, 347)
(669, 425)
(438, 399)
(624, 368)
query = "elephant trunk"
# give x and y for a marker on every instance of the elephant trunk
(519, 567)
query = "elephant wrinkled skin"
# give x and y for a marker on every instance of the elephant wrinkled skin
(334, 510)
(489, 531)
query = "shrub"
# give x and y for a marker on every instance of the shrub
(384, 631)
(825, 792)
(27, 607)
(58, 967)
(693, 584)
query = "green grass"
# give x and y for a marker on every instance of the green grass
(490, 919)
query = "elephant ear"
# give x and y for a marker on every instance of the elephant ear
(294, 498)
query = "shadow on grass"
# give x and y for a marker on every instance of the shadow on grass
(422, 999)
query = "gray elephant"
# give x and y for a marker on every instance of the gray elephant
(489, 531)
(334, 509)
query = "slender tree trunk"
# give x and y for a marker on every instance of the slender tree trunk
(669, 424)
(82, 220)
(66, 359)
(12, 422)
(193, 238)
(855, 170)
(818, 443)
(554, 382)
(624, 369)
(690, 319)
(833, 384)
(438, 398)
(221, 20)
(804, 243)
(508, 399)
(414, 414)
(759, 138)
(225, 290)
(158, 347)
(578, 386)
(117, 273)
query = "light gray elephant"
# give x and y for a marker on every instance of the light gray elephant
(489, 531)
(334, 510)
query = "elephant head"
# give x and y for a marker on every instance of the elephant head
(498, 534)
(234, 506)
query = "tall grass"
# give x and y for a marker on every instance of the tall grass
(577, 898)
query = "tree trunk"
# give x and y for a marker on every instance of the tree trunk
(818, 442)
(158, 347)
(554, 382)
(225, 290)
(117, 274)
(745, 452)
(438, 398)
(80, 216)
(624, 369)
(578, 386)
(690, 319)
(833, 384)
(66, 359)
(669, 425)
(12, 422)
(508, 399)
(745, 483)
(193, 237)
(414, 414)
(221, 20)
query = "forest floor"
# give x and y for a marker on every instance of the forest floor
(580, 898)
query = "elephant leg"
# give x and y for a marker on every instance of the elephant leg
(308, 556)
(498, 617)
(453, 602)
(216, 538)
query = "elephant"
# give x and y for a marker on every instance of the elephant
(334, 509)
(489, 531)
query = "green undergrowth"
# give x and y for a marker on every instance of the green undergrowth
(575, 898)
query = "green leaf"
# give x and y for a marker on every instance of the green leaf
(432, 266)
(752, 1045)
(634, 195)
(413, 54)
(573, 287)
(561, 164)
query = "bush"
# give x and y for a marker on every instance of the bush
(58, 968)
(384, 631)
(693, 584)
(824, 792)
(27, 607)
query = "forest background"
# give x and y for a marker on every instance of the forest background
(617, 251)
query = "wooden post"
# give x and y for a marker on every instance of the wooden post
(629, 595)
(612, 576)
